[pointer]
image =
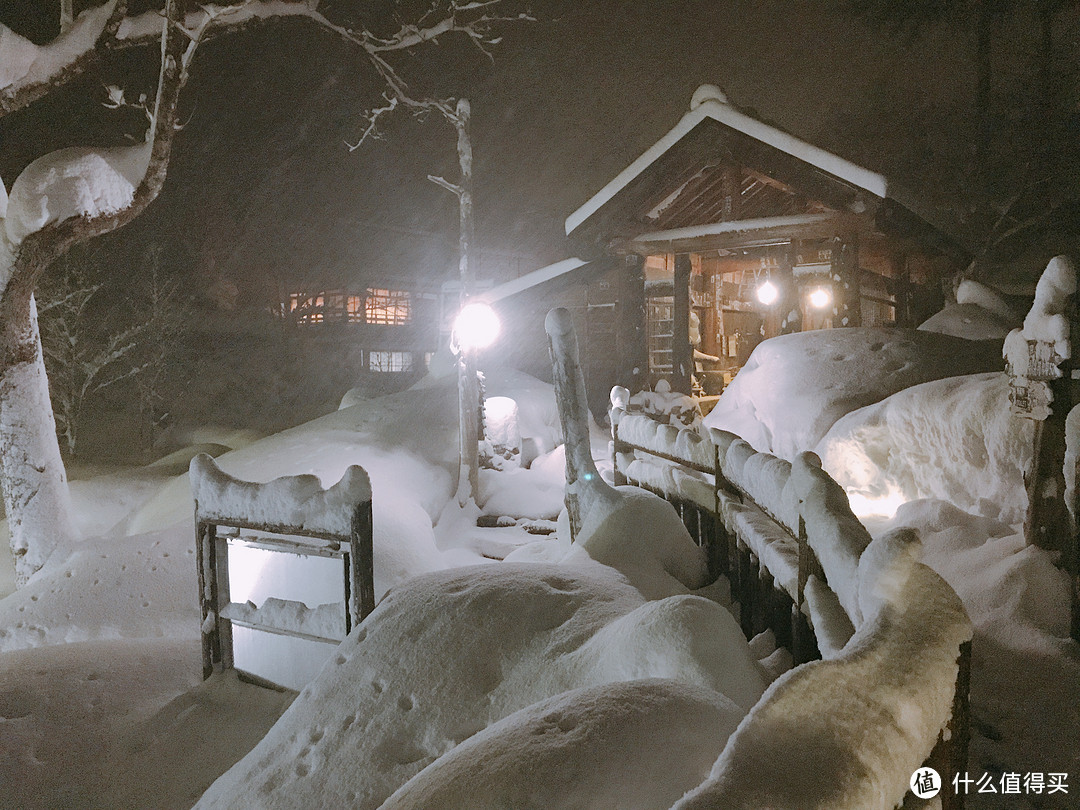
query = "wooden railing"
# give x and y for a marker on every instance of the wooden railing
(765, 543)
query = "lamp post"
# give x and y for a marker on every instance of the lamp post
(475, 327)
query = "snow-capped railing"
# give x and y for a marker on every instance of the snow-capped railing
(289, 515)
(802, 564)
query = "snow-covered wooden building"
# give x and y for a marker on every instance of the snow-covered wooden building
(728, 231)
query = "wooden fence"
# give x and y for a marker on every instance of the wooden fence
(769, 560)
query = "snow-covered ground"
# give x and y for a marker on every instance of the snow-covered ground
(549, 680)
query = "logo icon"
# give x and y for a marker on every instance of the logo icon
(925, 783)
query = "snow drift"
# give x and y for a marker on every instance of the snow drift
(638, 745)
(795, 387)
(952, 439)
(451, 653)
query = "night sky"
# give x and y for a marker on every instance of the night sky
(262, 186)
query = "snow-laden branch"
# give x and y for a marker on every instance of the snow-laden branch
(29, 71)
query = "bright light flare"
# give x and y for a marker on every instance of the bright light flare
(866, 506)
(767, 293)
(476, 326)
(820, 298)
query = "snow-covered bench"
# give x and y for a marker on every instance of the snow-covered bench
(893, 633)
(291, 517)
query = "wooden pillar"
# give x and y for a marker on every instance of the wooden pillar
(902, 292)
(633, 357)
(789, 303)
(847, 302)
(682, 353)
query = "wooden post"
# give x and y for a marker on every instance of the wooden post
(222, 597)
(361, 566)
(847, 299)
(789, 304)
(747, 584)
(584, 487)
(682, 353)
(204, 556)
(633, 356)
(950, 754)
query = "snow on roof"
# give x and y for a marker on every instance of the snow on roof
(709, 102)
(532, 279)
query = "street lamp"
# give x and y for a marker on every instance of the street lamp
(475, 327)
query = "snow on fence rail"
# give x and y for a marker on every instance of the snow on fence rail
(893, 691)
(291, 515)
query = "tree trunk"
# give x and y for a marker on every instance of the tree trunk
(32, 476)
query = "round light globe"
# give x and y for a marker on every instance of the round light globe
(820, 298)
(767, 293)
(476, 326)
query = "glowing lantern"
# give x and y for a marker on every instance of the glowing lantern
(820, 298)
(767, 293)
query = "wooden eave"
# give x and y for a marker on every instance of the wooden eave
(694, 166)
(745, 234)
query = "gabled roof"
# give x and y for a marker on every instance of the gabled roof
(709, 104)
(719, 167)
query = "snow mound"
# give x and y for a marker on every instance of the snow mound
(850, 731)
(131, 587)
(74, 182)
(640, 535)
(951, 439)
(535, 492)
(295, 501)
(636, 746)
(795, 387)
(448, 654)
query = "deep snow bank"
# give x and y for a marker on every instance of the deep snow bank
(795, 387)
(952, 439)
(449, 654)
(405, 442)
(638, 745)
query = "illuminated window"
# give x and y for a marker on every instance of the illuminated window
(388, 307)
(389, 361)
(306, 308)
(333, 306)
